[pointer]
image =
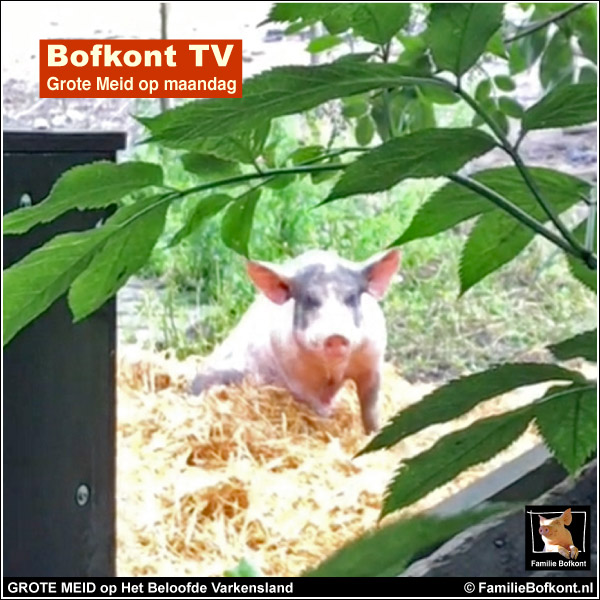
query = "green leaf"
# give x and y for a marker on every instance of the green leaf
(355, 57)
(288, 12)
(483, 90)
(496, 239)
(556, 66)
(496, 46)
(242, 147)
(388, 550)
(588, 74)
(296, 27)
(421, 114)
(35, 282)
(305, 154)
(500, 119)
(206, 165)
(459, 396)
(564, 106)
(257, 138)
(377, 23)
(339, 17)
(125, 252)
(335, 16)
(525, 51)
(505, 83)
(365, 129)
(453, 454)
(587, 276)
(477, 121)
(453, 203)
(547, 9)
(397, 100)
(458, 33)
(354, 106)
(44, 275)
(317, 177)
(438, 95)
(425, 153)
(414, 53)
(243, 569)
(280, 181)
(204, 209)
(586, 22)
(236, 225)
(583, 345)
(510, 107)
(566, 417)
(85, 187)
(280, 91)
(325, 42)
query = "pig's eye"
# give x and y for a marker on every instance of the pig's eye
(351, 300)
(311, 302)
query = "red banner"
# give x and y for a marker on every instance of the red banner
(140, 68)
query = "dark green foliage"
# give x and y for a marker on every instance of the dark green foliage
(459, 396)
(583, 345)
(458, 32)
(453, 454)
(85, 187)
(566, 417)
(418, 61)
(565, 106)
(426, 153)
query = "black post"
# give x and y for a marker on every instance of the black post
(59, 391)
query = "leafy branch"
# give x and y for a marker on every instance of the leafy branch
(574, 246)
(265, 174)
(513, 210)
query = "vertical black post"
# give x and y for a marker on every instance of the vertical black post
(59, 391)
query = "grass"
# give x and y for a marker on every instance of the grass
(433, 334)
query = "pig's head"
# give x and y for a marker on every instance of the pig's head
(328, 296)
(552, 528)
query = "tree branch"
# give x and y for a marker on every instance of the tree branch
(298, 169)
(505, 144)
(544, 23)
(516, 212)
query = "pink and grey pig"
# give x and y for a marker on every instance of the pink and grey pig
(316, 324)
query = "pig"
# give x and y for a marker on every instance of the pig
(315, 324)
(556, 537)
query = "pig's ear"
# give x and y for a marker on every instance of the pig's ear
(380, 270)
(566, 517)
(274, 286)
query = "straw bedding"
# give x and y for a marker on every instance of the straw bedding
(246, 472)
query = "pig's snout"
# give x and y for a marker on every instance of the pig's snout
(544, 530)
(337, 346)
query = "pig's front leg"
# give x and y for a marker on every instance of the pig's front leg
(367, 385)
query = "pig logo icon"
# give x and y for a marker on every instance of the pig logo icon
(556, 537)
(315, 323)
